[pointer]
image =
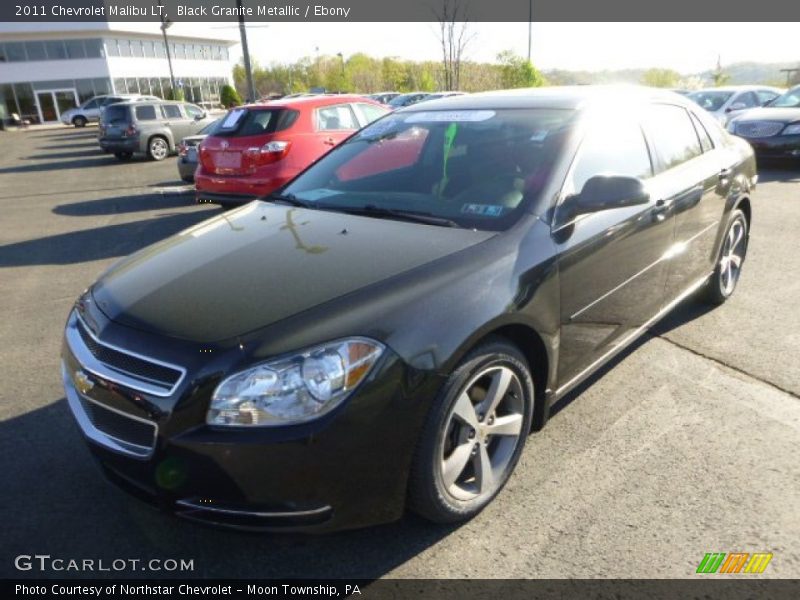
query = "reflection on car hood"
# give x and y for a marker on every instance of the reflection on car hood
(254, 266)
(766, 113)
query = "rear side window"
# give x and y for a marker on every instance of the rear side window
(171, 111)
(749, 99)
(111, 100)
(371, 112)
(672, 134)
(243, 122)
(705, 140)
(611, 148)
(146, 113)
(765, 96)
(192, 110)
(334, 118)
(115, 113)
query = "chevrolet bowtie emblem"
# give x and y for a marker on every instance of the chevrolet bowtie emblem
(82, 381)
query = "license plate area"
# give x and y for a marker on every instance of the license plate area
(228, 160)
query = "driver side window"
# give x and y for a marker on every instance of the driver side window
(611, 148)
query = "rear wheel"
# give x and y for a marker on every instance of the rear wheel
(123, 155)
(730, 261)
(474, 435)
(157, 148)
(79, 121)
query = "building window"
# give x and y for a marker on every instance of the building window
(120, 86)
(111, 48)
(55, 50)
(75, 49)
(94, 48)
(149, 49)
(15, 52)
(161, 51)
(25, 102)
(35, 51)
(85, 89)
(101, 86)
(124, 48)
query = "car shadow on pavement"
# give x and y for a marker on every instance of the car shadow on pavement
(97, 160)
(125, 204)
(61, 134)
(57, 502)
(73, 154)
(99, 242)
(690, 309)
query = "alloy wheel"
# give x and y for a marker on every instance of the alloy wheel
(482, 432)
(732, 257)
(158, 149)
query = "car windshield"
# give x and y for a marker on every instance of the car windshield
(475, 169)
(790, 99)
(710, 100)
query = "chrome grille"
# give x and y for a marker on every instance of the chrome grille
(136, 435)
(758, 129)
(134, 371)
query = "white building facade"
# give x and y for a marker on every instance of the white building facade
(46, 69)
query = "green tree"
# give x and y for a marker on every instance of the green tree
(229, 97)
(516, 72)
(661, 78)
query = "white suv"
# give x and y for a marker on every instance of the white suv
(91, 109)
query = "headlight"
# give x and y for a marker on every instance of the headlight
(793, 129)
(294, 389)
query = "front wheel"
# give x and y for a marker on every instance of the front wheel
(79, 121)
(474, 434)
(157, 148)
(730, 261)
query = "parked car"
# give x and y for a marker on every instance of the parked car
(773, 130)
(723, 101)
(383, 97)
(212, 107)
(90, 110)
(150, 128)
(406, 99)
(351, 346)
(259, 147)
(187, 151)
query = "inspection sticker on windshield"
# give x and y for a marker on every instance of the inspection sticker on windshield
(233, 118)
(450, 116)
(482, 210)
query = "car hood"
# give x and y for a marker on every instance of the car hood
(252, 267)
(784, 115)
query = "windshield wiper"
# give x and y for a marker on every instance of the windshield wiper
(370, 210)
(288, 199)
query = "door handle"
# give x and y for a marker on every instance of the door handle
(724, 174)
(329, 141)
(660, 209)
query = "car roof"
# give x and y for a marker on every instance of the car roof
(309, 101)
(736, 88)
(575, 97)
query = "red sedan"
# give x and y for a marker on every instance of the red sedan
(259, 147)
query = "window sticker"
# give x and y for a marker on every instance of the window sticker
(483, 210)
(378, 129)
(450, 116)
(539, 135)
(233, 118)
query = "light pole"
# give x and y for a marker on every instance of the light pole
(166, 24)
(251, 88)
(530, 27)
(341, 81)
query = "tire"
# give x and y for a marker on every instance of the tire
(726, 274)
(188, 178)
(441, 490)
(79, 121)
(157, 148)
(123, 155)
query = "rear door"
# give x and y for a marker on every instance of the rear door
(611, 264)
(196, 118)
(333, 125)
(176, 121)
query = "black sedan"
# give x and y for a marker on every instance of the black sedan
(386, 331)
(773, 130)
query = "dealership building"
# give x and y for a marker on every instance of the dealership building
(47, 68)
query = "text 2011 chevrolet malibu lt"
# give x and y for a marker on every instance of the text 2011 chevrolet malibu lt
(386, 331)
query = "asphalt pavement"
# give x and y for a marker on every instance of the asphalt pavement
(686, 444)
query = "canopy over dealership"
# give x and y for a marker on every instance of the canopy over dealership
(47, 68)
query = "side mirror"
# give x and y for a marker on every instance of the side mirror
(736, 106)
(202, 115)
(604, 192)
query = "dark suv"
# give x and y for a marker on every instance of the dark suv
(152, 128)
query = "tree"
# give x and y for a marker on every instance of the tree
(719, 77)
(661, 78)
(454, 36)
(229, 97)
(517, 72)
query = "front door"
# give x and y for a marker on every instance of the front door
(611, 265)
(54, 102)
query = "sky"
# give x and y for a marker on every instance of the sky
(685, 47)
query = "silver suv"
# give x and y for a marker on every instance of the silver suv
(92, 108)
(151, 128)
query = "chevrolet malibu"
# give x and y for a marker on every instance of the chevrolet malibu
(385, 330)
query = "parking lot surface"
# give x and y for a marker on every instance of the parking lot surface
(687, 445)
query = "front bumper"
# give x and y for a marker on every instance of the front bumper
(778, 146)
(186, 169)
(347, 469)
